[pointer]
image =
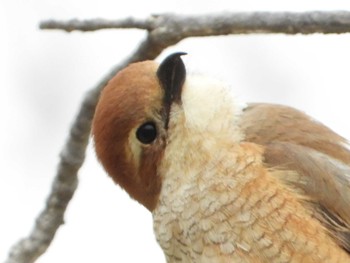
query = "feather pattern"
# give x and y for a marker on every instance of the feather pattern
(318, 156)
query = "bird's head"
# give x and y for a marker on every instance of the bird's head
(147, 108)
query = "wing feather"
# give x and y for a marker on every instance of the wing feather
(295, 142)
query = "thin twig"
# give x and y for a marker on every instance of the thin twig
(95, 24)
(326, 22)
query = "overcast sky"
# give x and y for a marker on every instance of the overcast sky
(44, 75)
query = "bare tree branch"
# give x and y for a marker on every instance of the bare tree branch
(163, 31)
(326, 22)
(72, 157)
(96, 24)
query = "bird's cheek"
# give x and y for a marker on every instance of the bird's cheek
(149, 167)
(148, 172)
(122, 170)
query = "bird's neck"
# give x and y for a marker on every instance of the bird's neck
(198, 181)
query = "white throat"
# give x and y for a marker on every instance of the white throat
(203, 132)
(210, 106)
(201, 151)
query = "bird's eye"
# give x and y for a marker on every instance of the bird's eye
(146, 133)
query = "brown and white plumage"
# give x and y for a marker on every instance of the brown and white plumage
(225, 182)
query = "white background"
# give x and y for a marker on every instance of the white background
(44, 75)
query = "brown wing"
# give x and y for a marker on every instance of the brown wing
(294, 141)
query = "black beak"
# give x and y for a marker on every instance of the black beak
(171, 74)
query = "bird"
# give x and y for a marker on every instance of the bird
(225, 181)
